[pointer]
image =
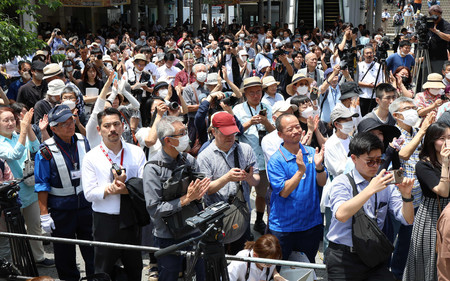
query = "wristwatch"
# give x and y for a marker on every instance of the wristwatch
(321, 170)
(408, 199)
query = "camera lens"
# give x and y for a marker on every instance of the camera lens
(58, 33)
(99, 56)
(174, 105)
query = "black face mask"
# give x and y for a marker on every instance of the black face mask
(405, 80)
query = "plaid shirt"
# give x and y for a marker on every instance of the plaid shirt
(409, 166)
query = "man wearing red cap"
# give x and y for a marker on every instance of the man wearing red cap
(217, 162)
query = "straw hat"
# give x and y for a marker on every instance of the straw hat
(434, 81)
(251, 82)
(295, 79)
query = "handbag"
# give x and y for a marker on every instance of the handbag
(371, 244)
(237, 218)
(28, 170)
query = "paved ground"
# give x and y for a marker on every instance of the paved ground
(321, 274)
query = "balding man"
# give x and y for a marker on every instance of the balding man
(311, 70)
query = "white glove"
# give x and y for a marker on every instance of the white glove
(47, 223)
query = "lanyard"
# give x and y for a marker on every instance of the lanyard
(70, 156)
(109, 159)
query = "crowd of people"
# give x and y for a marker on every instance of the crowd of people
(314, 124)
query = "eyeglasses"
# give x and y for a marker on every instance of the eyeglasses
(181, 134)
(371, 163)
(252, 94)
(66, 124)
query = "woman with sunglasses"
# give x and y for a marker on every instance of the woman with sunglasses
(433, 174)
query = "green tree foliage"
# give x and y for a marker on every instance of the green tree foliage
(14, 39)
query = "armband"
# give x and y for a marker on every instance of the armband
(46, 153)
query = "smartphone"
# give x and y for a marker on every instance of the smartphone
(247, 169)
(398, 176)
(263, 112)
(314, 93)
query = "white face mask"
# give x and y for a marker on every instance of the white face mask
(70, 55)
(128, 52)
(112, 46)
(247, 45)
(26, 75)
(447, 76)
(68, 69)
(410, 117)
(326, 41)
(269, 41)
(435, 92)
(143, 37)
(109, 66)
(70, 104)
(201, 77)
(163, 93)
(211, 38)
(307, 112)
(347, 127)
(241, 35)
(183, 143)
(302, 90)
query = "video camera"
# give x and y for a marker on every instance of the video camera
(423, 24)
(278, 53)
(9, 189)
(383, 47)
(208, 215)
(347, 60)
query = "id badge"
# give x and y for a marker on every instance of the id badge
(75, 174)
(310, 159)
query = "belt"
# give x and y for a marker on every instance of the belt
(341, 247)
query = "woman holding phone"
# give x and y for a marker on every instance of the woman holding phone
(433, 174)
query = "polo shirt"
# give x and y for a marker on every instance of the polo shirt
(14, 89)
(299, 211)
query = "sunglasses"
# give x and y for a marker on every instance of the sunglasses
(377, 162)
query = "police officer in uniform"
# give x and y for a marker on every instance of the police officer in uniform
(64, 210)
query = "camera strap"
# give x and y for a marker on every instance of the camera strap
(135, 141)
(109, 158)
(236, 164)
(370, 67)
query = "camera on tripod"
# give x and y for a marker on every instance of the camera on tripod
(9, 190)
(208, 215)
(383, 47)
(423, 24)
(348, 58)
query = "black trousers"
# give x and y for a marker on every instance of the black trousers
(367, 105)
(344, 265)
(106, 229)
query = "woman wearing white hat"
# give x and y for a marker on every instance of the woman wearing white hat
(430, 99)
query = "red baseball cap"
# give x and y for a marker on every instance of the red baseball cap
(225, 122)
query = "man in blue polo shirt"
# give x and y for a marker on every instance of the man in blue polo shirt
(295, 172)
(401, 58)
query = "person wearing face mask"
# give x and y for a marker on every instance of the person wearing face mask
(172, 134)
(25, 76)
(138, 79)
(439, 36)
(141, 41)
(56, 40)
(69, 98)
(52, 98)
(30, 93)
(430, 99)
(327, 43)
(401, 58)
(402, 81)
(300, 86)
(191, 93)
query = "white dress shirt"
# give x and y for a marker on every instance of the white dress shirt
(165, 72)
(96, 175)
(238, 269)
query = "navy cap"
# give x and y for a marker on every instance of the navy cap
(328, 72)
(37, 65)
(59, 114)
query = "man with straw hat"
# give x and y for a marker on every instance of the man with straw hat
(256, 118)
(269, 86)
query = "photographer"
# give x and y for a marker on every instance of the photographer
(57, 40)
(283, 71)
(369, 76)
(217, 161)
(439, 37)
(173, 136)
(256, 119)
(231, 60)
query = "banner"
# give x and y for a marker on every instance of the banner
(94, 3)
